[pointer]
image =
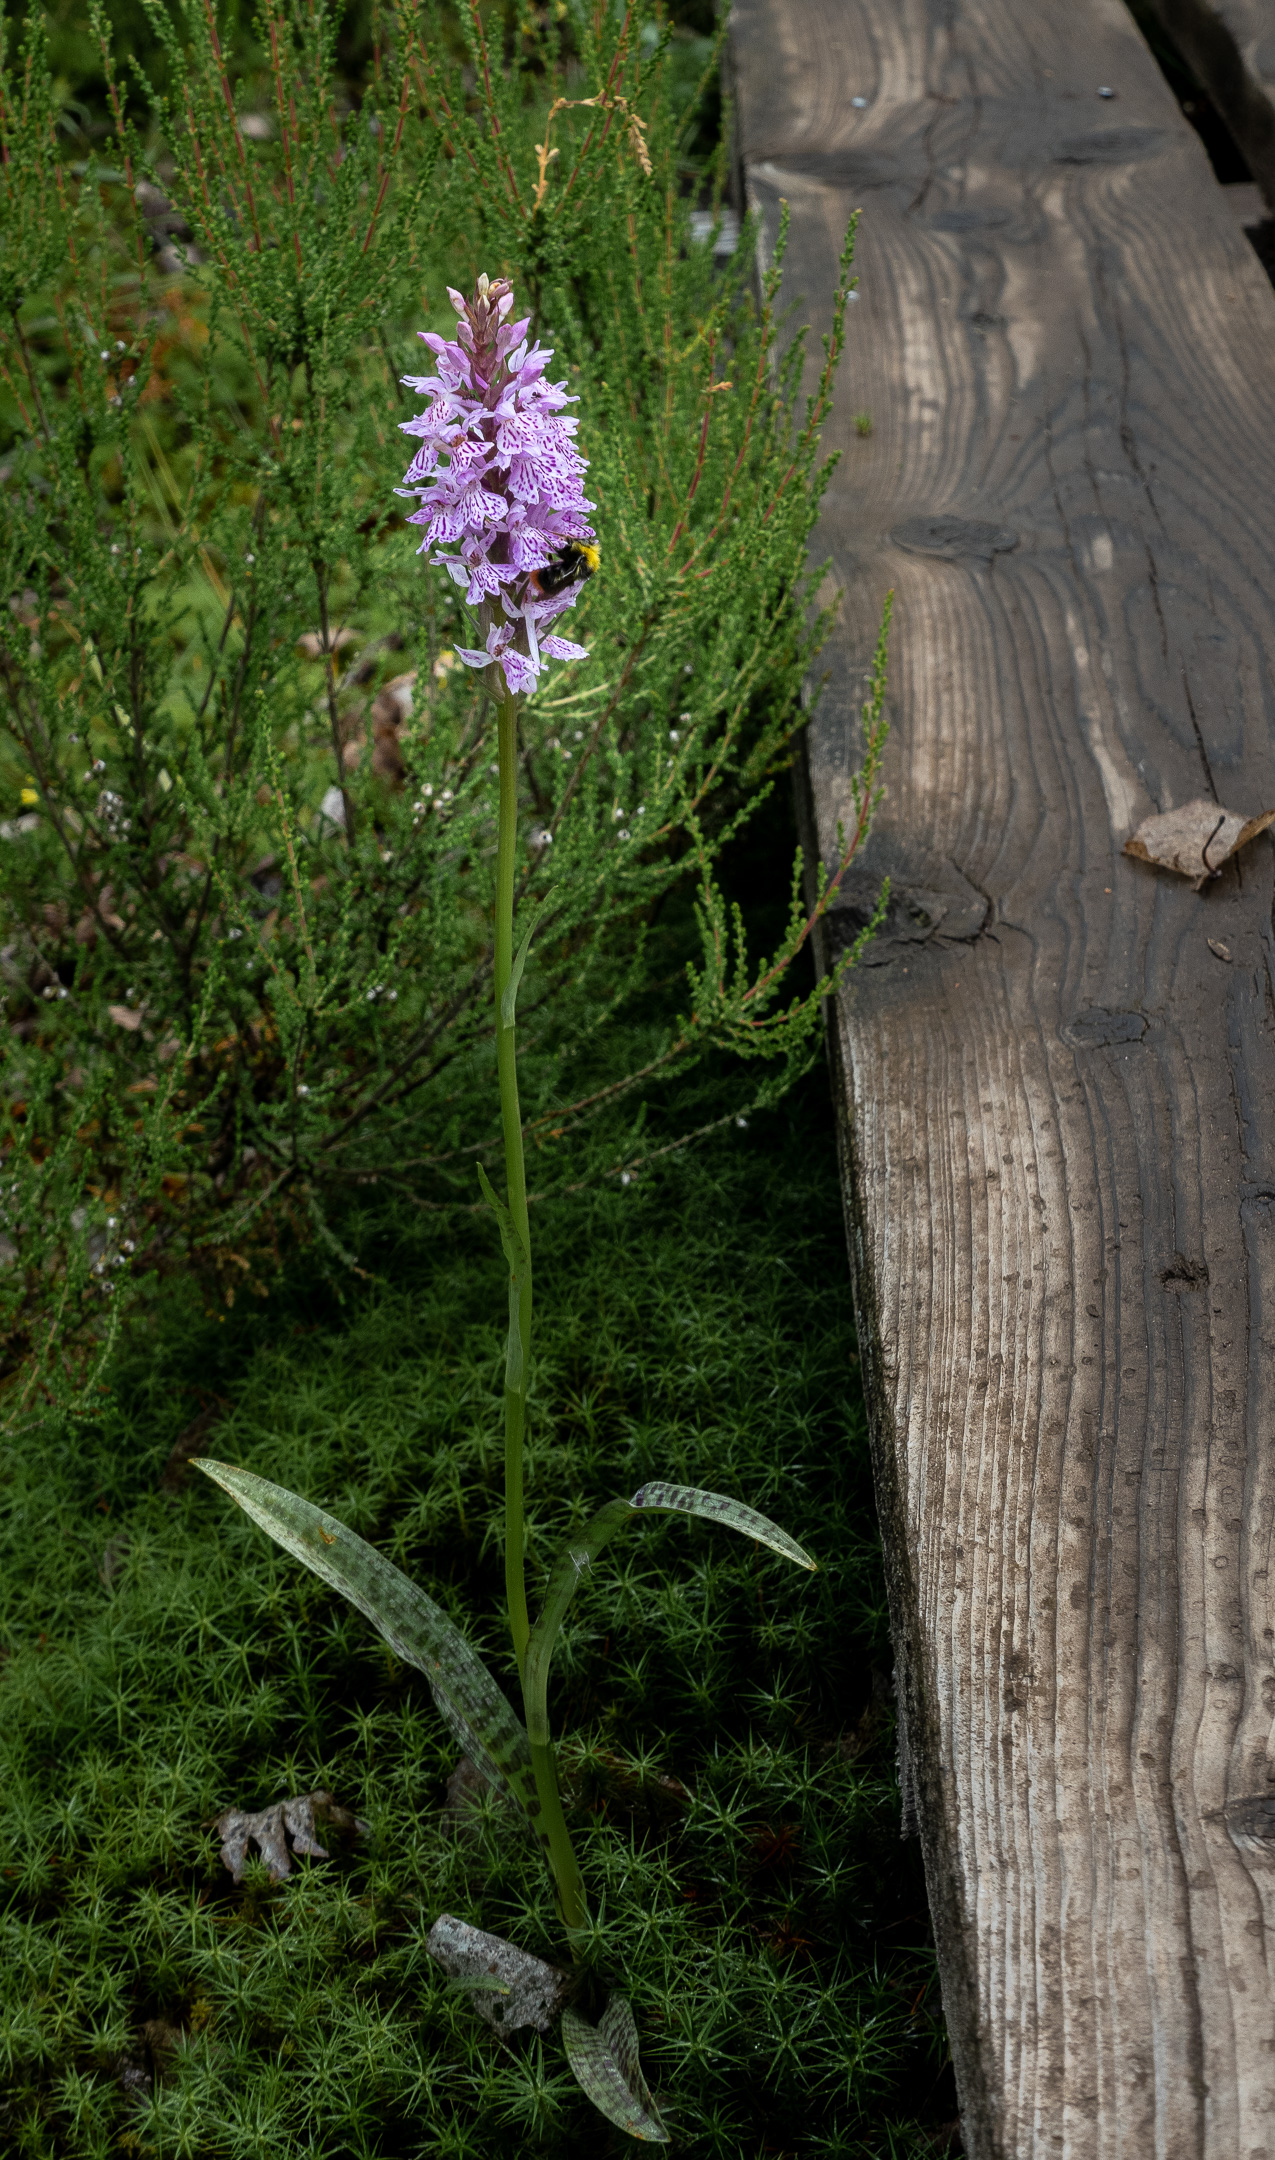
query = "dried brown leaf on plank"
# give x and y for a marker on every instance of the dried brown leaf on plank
(1196, 839)
(270, 1828)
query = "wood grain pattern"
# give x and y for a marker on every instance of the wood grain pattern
(1060, 1099)
(1230, 46)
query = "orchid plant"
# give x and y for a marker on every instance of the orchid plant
(500, 488)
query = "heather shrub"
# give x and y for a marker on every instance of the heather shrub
(247, 870)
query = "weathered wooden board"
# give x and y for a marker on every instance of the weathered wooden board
(1059, 1069)
(1230, 46)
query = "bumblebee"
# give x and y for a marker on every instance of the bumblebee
(571, 565)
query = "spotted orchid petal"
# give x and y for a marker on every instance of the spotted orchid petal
(497, 475)
(521, 674)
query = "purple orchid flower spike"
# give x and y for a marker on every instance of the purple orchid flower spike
(500, 485)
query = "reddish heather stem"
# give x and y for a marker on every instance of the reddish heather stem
(385, 179)
(703, 446)
(234, 120)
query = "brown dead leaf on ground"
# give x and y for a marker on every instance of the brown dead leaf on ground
(188, 1444)
(393, 704)
(466, 1788)
(647, 1801)
(507, 1986)
(391, 707)
(364, 668)
(1196, 839)
(270, 1828)
(312, 645)
(103, 911)
(125, 1016)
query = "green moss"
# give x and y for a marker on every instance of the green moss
(695, 1325)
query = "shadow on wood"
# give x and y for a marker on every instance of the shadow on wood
(1059, 1097)
(1230, 46)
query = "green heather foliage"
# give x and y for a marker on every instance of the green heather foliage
(247, 817)
(162, 1661)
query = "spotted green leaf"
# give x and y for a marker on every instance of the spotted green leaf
(719, 1507)
(416, 1629)
(577, 1558)
(604, 2061)
(572, 1562)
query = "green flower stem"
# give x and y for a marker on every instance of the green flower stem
(551, 1823)
(515, 1172)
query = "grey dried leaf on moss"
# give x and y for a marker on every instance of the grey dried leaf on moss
(508, 1987)
(114, 1554)
(270, 1829)
(1196, 839)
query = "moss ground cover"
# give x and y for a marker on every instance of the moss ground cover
(161, 1664)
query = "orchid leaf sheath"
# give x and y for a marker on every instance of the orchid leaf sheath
(519, 1280)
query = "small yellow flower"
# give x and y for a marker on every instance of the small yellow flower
(30, 793)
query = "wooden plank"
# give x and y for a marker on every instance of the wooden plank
(1060, 1096)
(1230, 46)
(1247, 204)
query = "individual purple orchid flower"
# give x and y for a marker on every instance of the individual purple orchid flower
(500, 485)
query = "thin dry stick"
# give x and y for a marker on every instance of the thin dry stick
(296, 889)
